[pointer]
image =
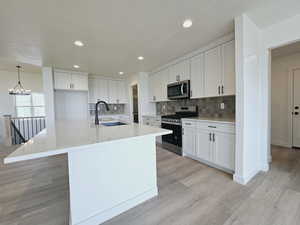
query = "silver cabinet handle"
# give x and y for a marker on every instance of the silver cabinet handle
(182, 131)
(219, 90)
(214, 137)
(209, 136)
(212, 126)
(222, 89)
(191, 93)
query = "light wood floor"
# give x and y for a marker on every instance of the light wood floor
(36, 193)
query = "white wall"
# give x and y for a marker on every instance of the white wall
(32, 81)
(145, 107)
(248, 45)
(280, 97)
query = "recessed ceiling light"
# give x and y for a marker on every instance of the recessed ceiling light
(140, 58)
(187, 23)
(76, 66)
(121, 73)
(78, 43)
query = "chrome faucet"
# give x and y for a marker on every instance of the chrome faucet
(96, 113)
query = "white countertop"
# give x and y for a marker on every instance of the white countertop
(213, 119)
(77, 135)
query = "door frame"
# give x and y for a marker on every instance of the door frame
(290, 104)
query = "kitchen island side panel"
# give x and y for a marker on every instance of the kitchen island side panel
(108, 181)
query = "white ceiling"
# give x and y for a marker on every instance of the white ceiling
(116, 32)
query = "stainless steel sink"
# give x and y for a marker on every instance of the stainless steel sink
(111, 124)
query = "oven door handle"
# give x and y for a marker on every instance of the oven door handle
(182, 89)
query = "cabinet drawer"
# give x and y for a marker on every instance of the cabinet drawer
(229, 128)
(191, 124)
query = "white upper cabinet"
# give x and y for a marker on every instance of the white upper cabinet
(67, 80)
(102, 90)
(110, 91)
(197, 76)
(179, 71)
(213, 72)
(62, 80)
(113, 91)
(79, 82)
(158, 86)
(122, 92)
(228, 79)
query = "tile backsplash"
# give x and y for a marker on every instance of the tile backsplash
(113, 109)
(206, 106)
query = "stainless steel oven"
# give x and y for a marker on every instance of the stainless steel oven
(179, 90)
(172, 142)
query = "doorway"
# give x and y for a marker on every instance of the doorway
(135, 103)
(285, 97)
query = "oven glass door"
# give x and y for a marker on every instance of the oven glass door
(179, 90)
(176, 137)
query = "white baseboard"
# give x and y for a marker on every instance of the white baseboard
(117, 210)
(278, 142)
(244, 180)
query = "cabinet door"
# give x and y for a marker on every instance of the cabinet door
(189, 141)
(151, 87)
(122, 94)
(228, 79)
(92, 90)
(62, 80)
(179, 71)
(197, 76)
(79, 82)
(161, 82)
(102, 90)
(213, 72)
(225, 150)
(204, 145)
(113, 91)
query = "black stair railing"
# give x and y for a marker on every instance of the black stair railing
(24, 128)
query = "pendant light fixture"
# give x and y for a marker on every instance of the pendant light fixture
(19, 89)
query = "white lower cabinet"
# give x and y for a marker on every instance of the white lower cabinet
(154, 121)
(211, 143)
(189, 140)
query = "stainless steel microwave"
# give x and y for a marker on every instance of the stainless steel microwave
(179, 90)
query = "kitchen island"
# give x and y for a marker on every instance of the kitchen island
(111, 169)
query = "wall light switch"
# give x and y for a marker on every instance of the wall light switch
(222, 105)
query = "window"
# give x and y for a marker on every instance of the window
(30, 105)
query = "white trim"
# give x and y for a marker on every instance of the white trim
(245, 179)
(117, 210)
(282, 143)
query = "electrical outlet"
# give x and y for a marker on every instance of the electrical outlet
(222, 105)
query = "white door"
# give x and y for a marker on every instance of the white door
(296, 110)
(189, 141)
(228, 79)
(179, 71)
(62, 80)
(204, 145)
(79, 82)
(197, 76)
(224, 150)
(102, 92)
(213, 72)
